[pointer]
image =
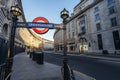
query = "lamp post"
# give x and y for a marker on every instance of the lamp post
(15, 11)
(64, 16)
(42, 45)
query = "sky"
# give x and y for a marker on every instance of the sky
(49, 9)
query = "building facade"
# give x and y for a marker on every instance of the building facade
(5, 28)
(58, 39)
(6, 19)
(94, 26)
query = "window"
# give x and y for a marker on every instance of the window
(82, 24)
(68, 29)
(110, 1)
(71, 48)
(96, 9)
(116, 40)
(112, 10)
(100, 44)
(5, 29)
(95, 0)
(69, 36)
(113, 22)
(73, 34)
(98, 26)
(3, 2)
(97, 17)
(80, 8)
(83, 29)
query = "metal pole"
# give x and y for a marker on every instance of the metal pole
(82, 45)
(65, 66)
(11, 45)
(12, 36)
(81, 40)
(42, 45)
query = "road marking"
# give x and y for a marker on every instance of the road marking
(84, 75)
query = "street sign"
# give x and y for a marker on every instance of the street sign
(39, 22)
(21, 24)
(58, 26)
(35, 25)
(41, 31)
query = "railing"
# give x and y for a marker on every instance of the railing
(5, 72)
(2, 71)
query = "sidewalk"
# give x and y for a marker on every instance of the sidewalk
(26, 69)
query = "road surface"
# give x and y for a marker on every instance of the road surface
(97, 68)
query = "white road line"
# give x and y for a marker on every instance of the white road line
(84, 75)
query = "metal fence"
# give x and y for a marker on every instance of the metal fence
(5, 71)
(2, 71)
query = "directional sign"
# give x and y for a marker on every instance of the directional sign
(39, 22)
(21, 24)
(35, 25)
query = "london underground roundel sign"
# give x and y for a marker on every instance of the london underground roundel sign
(43, 30)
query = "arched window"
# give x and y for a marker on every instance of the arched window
(5, 29)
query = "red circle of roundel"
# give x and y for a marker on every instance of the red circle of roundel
(44, 30)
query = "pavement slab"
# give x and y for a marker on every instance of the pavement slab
(25, 68)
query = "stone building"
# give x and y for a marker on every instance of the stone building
(6, 19)
(94, 26)
(23, 36)
(58, 39)
(5, 29)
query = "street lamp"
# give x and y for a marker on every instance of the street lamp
(15, 11)
(64, 16)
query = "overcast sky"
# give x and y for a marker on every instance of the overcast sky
(49, 9)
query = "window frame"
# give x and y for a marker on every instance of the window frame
(113, 21)
(97, 17)
(96, 9)
(110, 1)
(98, 28)
(112, 10)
